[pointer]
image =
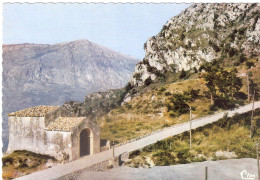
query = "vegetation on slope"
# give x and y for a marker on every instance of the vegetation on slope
(148, 112)
(23, 162)
(224, 139)
(154, 107)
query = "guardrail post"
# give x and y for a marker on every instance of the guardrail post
(190, 126)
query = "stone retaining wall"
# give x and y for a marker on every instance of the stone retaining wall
(96, 167)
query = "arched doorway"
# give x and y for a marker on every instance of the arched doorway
(85, 138)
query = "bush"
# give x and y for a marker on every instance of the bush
(249, 64)
(231, 52)
(172, 114)
(240, 95)
(128, 87)
(137, 76)
(128, 106)
(224, 103)
(148, 81)
(178, 105)
(241, 31)
(213, 107)
(168, 94)
(242, 58)
(236, 63)
(192, 94)
(183, 74)
(162, 89)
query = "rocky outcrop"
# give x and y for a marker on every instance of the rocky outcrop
(95, 104)
(201, 33)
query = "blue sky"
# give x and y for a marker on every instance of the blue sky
(121, 27)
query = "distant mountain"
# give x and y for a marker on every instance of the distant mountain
(201, 33)
(42, 74)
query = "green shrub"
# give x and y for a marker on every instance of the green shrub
(192, 94)
(249, 64)
(178, 104)
(183, 74)
(168, 94)
(162, 89)
(148, 81)
(242, 58)
(213, 108)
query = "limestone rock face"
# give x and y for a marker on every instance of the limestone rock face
(199, 34)
(35, 74)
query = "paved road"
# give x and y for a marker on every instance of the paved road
(217, 170)
(84, 162)
(178, 129)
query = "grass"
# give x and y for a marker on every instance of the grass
(147, 112)
(228, 135)
(23, 162)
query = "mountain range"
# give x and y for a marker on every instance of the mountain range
(43, 74)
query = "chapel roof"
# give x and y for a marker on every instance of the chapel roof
(37, 111)
(64, 123)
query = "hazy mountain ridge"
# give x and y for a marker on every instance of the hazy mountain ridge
(201, 33)
(42, 74)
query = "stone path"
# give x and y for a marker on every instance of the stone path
(64, 169)
(217, 170)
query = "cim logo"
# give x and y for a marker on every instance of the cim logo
(246, 175)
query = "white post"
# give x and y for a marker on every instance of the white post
(257, 158)
(190, 126)
(252, 116)
(248, 94)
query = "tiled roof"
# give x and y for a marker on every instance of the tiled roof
(64, 123)
(37, 111)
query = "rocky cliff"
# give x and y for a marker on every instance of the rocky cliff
(45, 74)
(201, 33)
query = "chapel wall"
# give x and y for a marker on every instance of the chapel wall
(28, 133)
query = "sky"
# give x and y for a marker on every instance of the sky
(121, 27)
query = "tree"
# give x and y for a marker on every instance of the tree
(210, 77)
(253, 89)
(222, 83)
(192, 94)
(178, 104)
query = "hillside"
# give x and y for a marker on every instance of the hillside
(42, 74)
(202, 33)
(22, 162)
(227, 138)
(149, 108)
(198, 63)
(229, 42)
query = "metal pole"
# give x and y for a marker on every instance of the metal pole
(252, 115)
(257, 158)
(113, 152)
(190, 127)
(248, 94)
(206, 173)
